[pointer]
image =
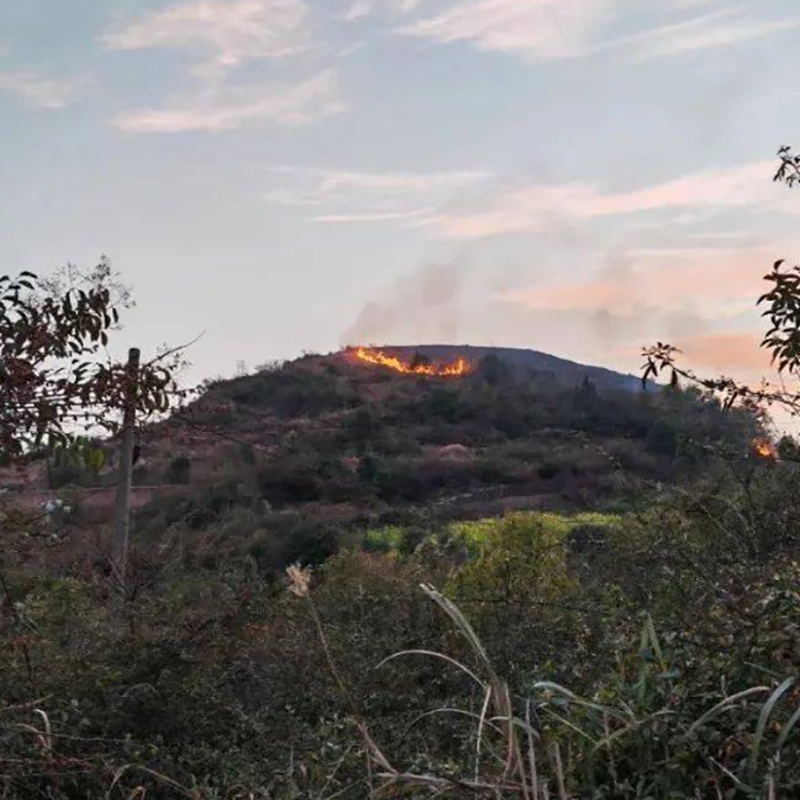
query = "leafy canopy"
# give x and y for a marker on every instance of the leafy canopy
(55, 373)
(781, 307)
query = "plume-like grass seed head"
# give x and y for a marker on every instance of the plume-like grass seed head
(299, 580)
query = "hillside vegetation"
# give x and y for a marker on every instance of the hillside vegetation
(637, 650)
(614, 612)
(316, 448)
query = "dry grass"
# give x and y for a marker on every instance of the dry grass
(533, 754)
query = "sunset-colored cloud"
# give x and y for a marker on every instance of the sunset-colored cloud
(539, 206)
(728, 353)
(227, 109)
(232, 32)
(701, 300)
(552, 29)
(227, 35)
(722, 281)
(349, 196)
(358, 9)
(389, 216)
(527, 28)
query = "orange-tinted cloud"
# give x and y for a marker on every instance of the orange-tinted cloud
(228, 109)
(720, 281)
(537, 207)
(550, 29)
(730, 353)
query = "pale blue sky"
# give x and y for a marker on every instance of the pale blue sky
(576, 176)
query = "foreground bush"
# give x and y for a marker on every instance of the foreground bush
(645, 733)
(645, 655)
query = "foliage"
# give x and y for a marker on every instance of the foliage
(389, 538)
(525, 530)
(77, 462)
(52, 378)
(782, 339)
(649, 620)
(377, 447)
(179, 470)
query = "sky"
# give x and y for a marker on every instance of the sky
(581, 177)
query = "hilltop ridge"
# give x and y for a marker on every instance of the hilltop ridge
(519, 358)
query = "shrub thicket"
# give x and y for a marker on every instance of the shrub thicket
(626, 641)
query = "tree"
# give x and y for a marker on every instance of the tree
(585, 396)
(781, 307)
(77, 462)
(179, 470)
(662, 439)
(54, 375)
(789, 448)
(493, 370)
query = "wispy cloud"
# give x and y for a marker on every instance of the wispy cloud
(538, 207)
(700, 299)
(231, 31)
(328, 184)
(550, 29)
(228, 109)
(49, 93)
(392, 216)
(359, 9)
(528, 28)
(729, 352)
(722, 281)
(350, 196)
(719, 29)
(230, 34)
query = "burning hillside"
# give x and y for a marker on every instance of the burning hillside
(418, 366)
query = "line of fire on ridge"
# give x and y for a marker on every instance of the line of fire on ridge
(455, 369)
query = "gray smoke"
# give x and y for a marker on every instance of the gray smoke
(423, 307)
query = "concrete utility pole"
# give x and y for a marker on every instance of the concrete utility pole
(122, 517)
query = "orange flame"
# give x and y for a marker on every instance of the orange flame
(763, 448)
(457, 368)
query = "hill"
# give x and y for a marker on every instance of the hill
(364, 436)
(302, 451)
(319, 445)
